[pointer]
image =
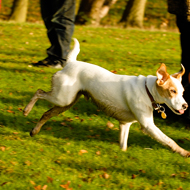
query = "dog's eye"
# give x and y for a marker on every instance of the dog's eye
(173, 91)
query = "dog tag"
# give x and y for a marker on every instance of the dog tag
(162, 110)
(163, 115)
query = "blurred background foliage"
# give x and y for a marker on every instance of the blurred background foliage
(155, 17)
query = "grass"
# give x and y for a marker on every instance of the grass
(76, 150)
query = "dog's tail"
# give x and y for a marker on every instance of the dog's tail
(72, 56)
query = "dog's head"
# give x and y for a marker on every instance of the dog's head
(171, 90)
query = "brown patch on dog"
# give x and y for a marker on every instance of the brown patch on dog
(167, 89)
(162, 74)
(180, 73)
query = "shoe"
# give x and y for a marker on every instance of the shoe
(49, 62)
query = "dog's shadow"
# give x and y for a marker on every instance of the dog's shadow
(80, 129)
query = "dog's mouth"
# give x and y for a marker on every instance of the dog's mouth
(178, 112)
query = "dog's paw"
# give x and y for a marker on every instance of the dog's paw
(26, 111)
(31, 133)
(185, 153)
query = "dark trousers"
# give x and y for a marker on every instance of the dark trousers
(59, 17)
(184, 28)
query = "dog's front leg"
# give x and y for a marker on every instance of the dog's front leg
(46, 116)
(150, 129)
(124, 133)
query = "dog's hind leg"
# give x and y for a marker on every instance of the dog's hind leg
(124, 133)
(56, 110)
(38, 95)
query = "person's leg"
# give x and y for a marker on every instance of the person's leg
(58, 17)
(47, 12)
(184, 28)
(62, 28)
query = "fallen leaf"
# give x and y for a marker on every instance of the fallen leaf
(64, 124)
(106, 176)
(66, 186)
(38, 187)
(49, 179)
(44, 187)
(159, 183)
(48, 128)
(109, 125)
(173, 175)
(142, 171)
(82, 152)
(57, 161)
(14, 163)
(133, 176)
(10, 111)
(20, 109)
(68, 119)
(32, 182)
(79, 186)
(184, 174)
(2, 148)
(28, 163)
(4, 183)
(113, 71)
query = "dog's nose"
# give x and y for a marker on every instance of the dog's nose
(185, 106)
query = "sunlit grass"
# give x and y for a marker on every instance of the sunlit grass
(76, 149)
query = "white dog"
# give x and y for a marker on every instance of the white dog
(126, 98)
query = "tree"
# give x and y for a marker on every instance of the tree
(106, 7)
(133, 14)
(19, 11)
(92, 11)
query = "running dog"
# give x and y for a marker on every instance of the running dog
(128, 99)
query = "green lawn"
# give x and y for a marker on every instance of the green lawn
(76, 150)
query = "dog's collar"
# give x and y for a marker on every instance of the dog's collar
(155, 105)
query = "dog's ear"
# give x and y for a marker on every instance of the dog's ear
(180, 73)
(162, 74)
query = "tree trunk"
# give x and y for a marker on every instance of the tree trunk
(106, 7)
(19, 11)
(134, 13)
(94, 14)
(91, 11)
